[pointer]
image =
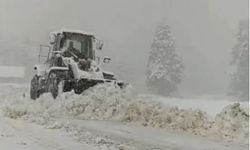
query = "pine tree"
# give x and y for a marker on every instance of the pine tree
(240, 61)
(164, 68)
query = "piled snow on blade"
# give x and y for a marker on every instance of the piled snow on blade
(233, 122)
(99, 102)
(108, 102)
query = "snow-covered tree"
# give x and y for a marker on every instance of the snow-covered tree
(164, 68)
(240, 76)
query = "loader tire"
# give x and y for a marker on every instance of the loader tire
(34, 93)
(53, 84)
(67, 86)
(78, 89)
(81, 86)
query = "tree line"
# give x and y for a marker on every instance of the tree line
(165, 68)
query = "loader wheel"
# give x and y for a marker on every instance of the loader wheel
(81, 86)
(53, 83)
(78, 88)
(34, 94)
(67, 86)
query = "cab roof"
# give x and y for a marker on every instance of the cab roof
(61, 31)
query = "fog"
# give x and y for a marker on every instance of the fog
(204, 31)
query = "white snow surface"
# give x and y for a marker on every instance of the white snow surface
(12, 71)
(122, 119)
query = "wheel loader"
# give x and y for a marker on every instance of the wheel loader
(69, 63)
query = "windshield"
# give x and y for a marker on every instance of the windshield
(81, 43)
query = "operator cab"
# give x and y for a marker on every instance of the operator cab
(79, 43)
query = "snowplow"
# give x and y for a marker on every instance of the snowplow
(69, 63)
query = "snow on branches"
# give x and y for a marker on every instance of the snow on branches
(164, 69)
(240, 61)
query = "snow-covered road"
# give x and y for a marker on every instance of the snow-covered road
(21, 135)
(152, 138)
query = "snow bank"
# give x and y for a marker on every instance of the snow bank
(233, 122)
(107, 102)
(212, 105)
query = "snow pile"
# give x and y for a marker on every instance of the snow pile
(232, 122)
(100, 102)
(107, 102)
(153, 114)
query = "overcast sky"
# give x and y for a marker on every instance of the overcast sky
(204, 29)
